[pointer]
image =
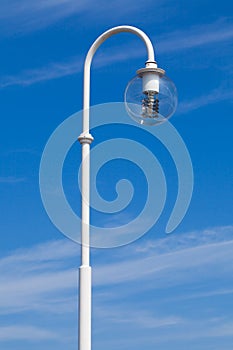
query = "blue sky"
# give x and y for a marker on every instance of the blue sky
(160, 291)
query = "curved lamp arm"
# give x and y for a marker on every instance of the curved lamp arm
(89, 57)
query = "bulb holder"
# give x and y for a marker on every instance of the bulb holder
(150, 97)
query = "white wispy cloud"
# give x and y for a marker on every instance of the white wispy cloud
(37, 276)
(197, 36)
(142, 319)
(11, 180)
(169, 268)
(27, 333)
(210, 293)
(214, 96)
(172, 243)
(52, 251)
(58, 70)
(41, 274)
(50, 72)
(42, 281)
(28, 16)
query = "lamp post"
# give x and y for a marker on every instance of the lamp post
(150, 99)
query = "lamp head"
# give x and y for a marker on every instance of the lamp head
(150, 97)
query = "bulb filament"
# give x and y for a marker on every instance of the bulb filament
(150, 105)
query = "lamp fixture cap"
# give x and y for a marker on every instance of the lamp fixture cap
(142, 71)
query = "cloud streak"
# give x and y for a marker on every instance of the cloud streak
(28, 333)
(161, 267)
(216, 95)
(31, 16)
(41, 281)
(11, 180)
(34, 15)
(198, 36)
(39, 274)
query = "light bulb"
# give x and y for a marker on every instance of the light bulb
(150, 97)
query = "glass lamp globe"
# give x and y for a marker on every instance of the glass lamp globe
(150, 97)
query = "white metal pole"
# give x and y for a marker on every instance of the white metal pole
(85, 269)
(85, 139)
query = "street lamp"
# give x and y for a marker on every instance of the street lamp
(150, 98)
